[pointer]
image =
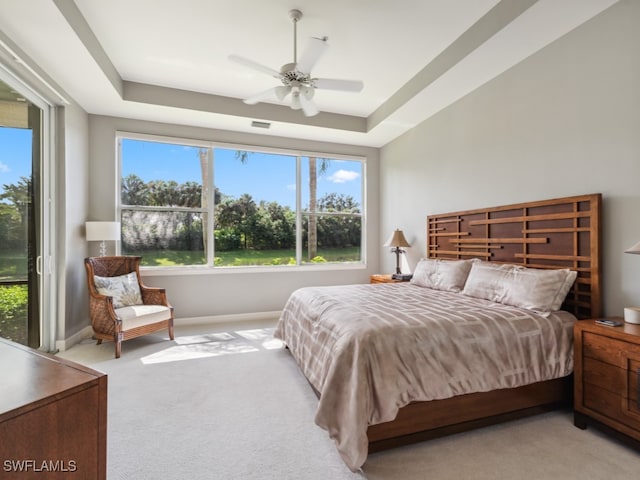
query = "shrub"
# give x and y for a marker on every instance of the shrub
(13, 312)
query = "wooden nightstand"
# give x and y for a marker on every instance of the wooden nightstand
(606, 378)
(383, 278)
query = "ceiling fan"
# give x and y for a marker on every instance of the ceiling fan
(296, 76)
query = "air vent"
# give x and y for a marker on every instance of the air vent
(257, 124)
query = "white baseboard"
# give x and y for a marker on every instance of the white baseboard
(63, 345)
(231, 318)
(87, 332)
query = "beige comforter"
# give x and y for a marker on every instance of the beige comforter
(371, 349)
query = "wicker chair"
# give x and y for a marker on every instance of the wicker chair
(129, 321)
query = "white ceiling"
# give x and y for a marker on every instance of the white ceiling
(415, 57)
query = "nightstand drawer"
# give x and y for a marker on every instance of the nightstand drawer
(608, 350)
(633, 386)
(383, 278)
(607, 368)
(613, 406)
(604, 375)
(603, 401)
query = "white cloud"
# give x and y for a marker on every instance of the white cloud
(343, 176)
(291, 186)
(4, 168)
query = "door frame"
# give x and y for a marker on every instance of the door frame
(45, 260)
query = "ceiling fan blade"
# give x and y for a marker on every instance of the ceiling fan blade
(312, 52)
(337, 84)
(255, 65)
(259, 97)
(308, 106)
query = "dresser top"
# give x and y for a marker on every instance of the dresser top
(30, 377)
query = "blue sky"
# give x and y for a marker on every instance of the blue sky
(15, 155)
(269, 177)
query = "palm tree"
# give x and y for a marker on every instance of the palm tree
(314, 171)
(312, 231)
(134, 191)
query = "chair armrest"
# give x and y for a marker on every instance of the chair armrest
(103, 316)
(154, 296)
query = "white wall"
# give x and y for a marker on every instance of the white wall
(222, 292)
(71, 196)
(565, 121)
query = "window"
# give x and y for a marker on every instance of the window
(193, 203)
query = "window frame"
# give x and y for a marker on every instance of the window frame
(209, 267)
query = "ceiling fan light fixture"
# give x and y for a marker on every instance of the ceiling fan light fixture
(295, 100)
(308, 107)
(308, 92)
(282, 92)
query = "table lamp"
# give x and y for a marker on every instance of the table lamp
(101, 232)
(397, 241)
(632, 314)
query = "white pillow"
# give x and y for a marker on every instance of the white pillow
(542, 291)
(449, 275)
(124, 289)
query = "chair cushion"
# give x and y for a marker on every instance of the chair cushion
(124, 289)
(135, 316)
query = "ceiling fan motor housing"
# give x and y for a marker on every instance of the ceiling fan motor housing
(290, 74)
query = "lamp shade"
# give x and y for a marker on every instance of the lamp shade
(397, 240)
(100, 231)
(634, 249)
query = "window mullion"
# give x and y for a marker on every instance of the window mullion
(211, 205)
(298, 210)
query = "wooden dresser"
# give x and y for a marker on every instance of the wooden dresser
(53, 417)
(607, 370)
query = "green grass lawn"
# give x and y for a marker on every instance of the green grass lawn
(238, 258)
(13, 265)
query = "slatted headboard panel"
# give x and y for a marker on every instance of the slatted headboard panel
(558, 233)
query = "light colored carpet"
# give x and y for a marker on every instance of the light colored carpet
(227, 402)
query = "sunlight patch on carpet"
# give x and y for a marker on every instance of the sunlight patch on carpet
(215, 344)
(262, 335)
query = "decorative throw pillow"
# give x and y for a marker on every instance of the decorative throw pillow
(124, 289)
(438, 274)
(542, 291)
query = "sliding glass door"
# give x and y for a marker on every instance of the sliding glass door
(21, 151)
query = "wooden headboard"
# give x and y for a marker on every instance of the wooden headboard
(558, 233)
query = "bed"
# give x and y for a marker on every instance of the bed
(402, 362)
